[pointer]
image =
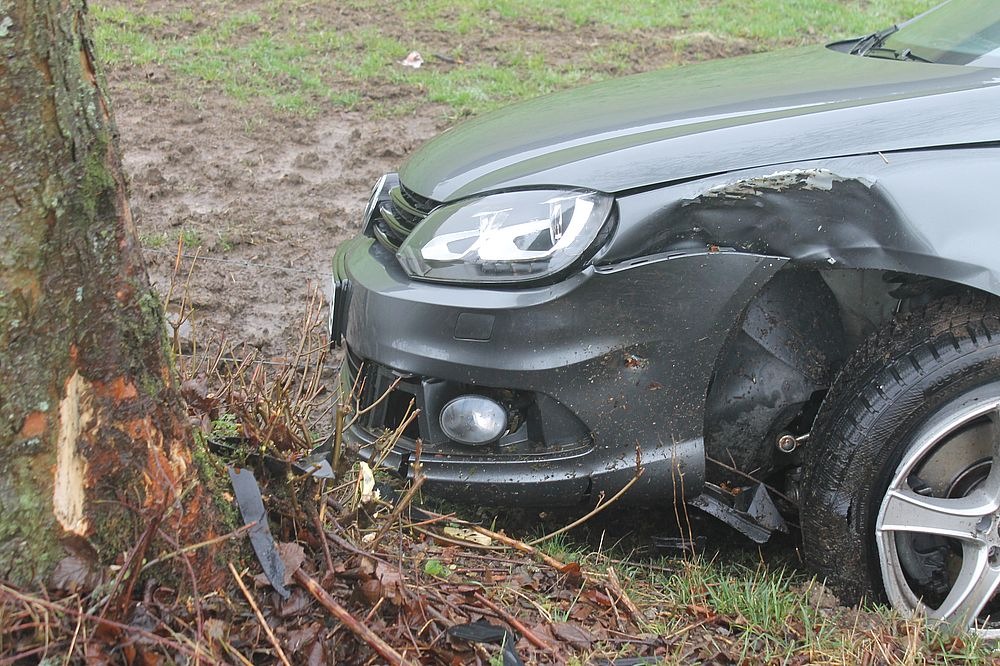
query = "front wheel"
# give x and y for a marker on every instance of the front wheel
(902, 498)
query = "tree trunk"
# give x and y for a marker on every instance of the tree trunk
(94, 440)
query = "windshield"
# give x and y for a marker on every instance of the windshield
(960, 32)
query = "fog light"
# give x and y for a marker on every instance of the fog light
(473, 420)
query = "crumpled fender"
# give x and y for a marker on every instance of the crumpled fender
(929, 213)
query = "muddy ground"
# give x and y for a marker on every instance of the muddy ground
(263, 206)
(262, 196)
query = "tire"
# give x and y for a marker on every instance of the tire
(899, 500)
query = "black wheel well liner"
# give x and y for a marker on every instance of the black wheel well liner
(785, 349)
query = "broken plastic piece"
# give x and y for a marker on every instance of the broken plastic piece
(761, 508)
(413, 60)
(316, 464)
(484, 632)
(757, 518)
(252, 509)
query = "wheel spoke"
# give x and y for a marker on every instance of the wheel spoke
(906, 511)
(991, 485)
(976, 583)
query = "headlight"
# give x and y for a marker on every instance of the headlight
(505, 237)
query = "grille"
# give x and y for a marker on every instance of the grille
(384, 396)
(398, 215)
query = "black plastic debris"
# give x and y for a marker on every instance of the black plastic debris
(681, 545)
(752, 512)
(484, 632)
(252, 509)
(316, 463)
(760, 507)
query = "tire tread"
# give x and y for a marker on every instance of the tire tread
(877, 377)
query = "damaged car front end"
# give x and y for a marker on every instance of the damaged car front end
(675, 268)
(580, 367)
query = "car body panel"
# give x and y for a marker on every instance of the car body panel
(629, 343)
(580, 342)
(687, 122)
(928, 213)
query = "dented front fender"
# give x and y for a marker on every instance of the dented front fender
(928, 213)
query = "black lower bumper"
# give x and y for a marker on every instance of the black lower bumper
(591, 369)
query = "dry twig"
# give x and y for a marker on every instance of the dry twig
(514, 622)
(260, 616)
(511, 542)
(615, 587)
(349, 621)
(601, 506)
(398, 510)
(128, 629)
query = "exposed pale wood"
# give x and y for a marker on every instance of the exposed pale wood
(94, 439)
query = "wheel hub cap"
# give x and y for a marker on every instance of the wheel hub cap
(963, 512)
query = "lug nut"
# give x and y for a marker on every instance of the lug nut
(787, 443)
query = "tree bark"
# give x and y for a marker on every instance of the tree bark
(94, 440)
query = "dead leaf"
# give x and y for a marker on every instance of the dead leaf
(366, 483)
(317, 654)
(299, 638)
(95, 653)
(215, 629)
(571, 569)
(146, 657)
(74, 574)
(465, 534)
(393, 587)
(700, 611)
(196, 393)
(573, 634)
(597, 597)
(370, 590)
(297, 603)
(292, 556)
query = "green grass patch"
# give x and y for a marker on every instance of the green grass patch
(780, 616)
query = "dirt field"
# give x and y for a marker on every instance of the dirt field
(264, 196)
(267, 198)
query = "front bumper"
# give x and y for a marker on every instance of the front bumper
(607, 361)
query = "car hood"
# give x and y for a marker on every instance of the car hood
(713, 117)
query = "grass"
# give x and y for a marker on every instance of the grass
(778, 616)
(191, 238)
(302, 60)
(743, 608)
(563, 548)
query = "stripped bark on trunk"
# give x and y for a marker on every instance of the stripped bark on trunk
(94, 440)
